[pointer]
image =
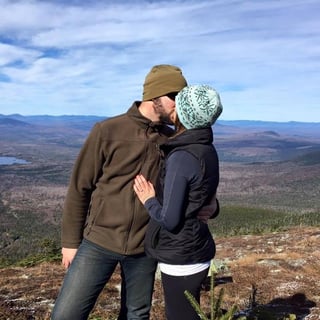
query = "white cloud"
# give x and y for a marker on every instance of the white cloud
(91, 57)
(13, 54)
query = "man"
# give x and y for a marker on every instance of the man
(103, 223)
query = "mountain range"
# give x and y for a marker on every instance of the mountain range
(237, 140)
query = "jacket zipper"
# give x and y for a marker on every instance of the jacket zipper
(134, 198)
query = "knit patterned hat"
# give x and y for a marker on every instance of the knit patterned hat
(161, 80)
(198, 106)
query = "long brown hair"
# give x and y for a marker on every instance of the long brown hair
(179, 127)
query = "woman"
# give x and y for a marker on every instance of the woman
(181, 243)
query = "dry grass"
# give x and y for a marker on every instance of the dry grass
(283, 267)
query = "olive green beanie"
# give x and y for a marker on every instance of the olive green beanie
(161, 80)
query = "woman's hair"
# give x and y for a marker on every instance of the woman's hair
(179, 127)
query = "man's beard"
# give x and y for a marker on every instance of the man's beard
(163, 116)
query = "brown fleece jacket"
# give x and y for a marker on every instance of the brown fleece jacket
(100, 204)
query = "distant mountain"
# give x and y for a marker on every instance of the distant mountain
(53, 119)
(85, 122)
(310, 129)
(229, 127)
(274, 124)
(236, 141)
(13, 122)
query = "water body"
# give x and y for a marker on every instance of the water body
(11, 160)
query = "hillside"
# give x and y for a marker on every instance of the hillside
(275, 273)
(259, 169)
(269, 180)
(236, 141)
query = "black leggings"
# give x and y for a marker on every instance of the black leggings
(176, 304)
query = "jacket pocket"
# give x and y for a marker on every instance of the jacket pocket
(94, 211)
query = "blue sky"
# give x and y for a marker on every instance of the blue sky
(91, 57)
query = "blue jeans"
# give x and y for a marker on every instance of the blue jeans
(91, 269)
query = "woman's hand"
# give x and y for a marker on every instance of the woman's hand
(144, 189)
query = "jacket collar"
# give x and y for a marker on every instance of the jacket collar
(145, 123)
(191, 136)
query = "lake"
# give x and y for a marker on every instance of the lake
(11, 160)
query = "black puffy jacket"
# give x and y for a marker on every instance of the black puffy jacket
(191, 241)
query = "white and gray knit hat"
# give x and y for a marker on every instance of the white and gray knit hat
(198, 106)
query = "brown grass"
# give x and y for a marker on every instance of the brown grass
(282, 267)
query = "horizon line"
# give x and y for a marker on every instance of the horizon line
(105, 116)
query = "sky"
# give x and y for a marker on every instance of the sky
(91, 57)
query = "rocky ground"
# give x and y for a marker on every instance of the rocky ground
(274, 274)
